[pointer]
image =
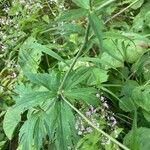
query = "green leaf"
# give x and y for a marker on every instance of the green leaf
(11, 120)
(76, 77)
(142, 139)
(139, 20)
(146, 115)
(2, 143)
(70, 28)
(30, 55)
(48, 51)
(82, 3)
(147, 19)
(138, 4)
(33, 131)
(97, 28)
(97, 76)
(46, 18)
(141, 96)
(65, 132)
(50, 81)
(87, 95)
(72, 14)
(24, 102)
(112, 63)
(128, 87)
(126, 103)
(89, 141)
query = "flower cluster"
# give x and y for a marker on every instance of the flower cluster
(93, 115)
(111, 120)
(81, 126)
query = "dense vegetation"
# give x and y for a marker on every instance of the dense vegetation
(75, 75)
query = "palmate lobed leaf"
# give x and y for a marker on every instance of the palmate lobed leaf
(58, 123)
(29, 98)
(34, 131)
(25, 102)
(57, 116)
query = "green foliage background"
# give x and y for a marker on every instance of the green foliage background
(75, 75)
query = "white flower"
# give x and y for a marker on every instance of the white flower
(88, 113)
(3, 48)
(102, 98)
(54, 41)
(22, 1)
(105, 141)
(16, 26)
(6, 9)
(1, 89)
(4, 37)
(79, 132)
(14, 75)
(98, 95)
(145, 70)
(2, 21)
(105, 105)
(39, 5)
(89, 129)
(114, 121)
(17, 13)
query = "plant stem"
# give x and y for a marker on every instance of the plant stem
(95, 127)
(75, 59)
(120, 12)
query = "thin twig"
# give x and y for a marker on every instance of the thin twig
(95, 127)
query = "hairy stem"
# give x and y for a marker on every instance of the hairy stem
(95, 127)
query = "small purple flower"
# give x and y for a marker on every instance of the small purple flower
(113, 121)
(88, 113)
(89, 129)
